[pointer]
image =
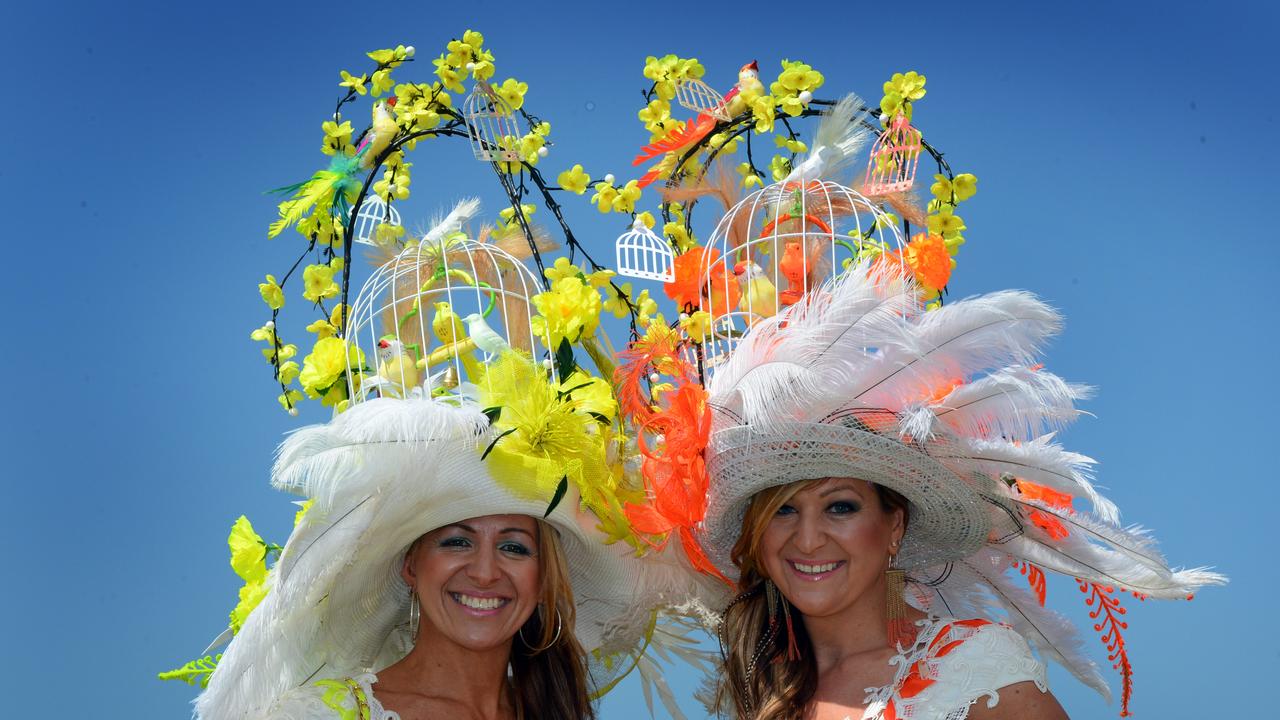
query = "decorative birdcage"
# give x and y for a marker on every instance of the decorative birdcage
(642, 254)
(894, 157)
(374, 212)
(778, 244)
(693, 94)
(429, 320)
(491, 125)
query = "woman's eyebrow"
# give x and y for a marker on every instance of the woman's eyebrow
(516, 530)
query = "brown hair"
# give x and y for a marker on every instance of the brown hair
(753, 685)
(549, 673)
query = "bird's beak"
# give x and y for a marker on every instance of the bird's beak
(384, 344)
(740, 268)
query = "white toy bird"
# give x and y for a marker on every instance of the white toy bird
(396, 365)
(759, 295)
(484, 336)
(841, 135)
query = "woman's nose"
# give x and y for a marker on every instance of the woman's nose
(483, 568)
(809, 535)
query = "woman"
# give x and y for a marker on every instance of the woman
(873, 472)
(451, 561)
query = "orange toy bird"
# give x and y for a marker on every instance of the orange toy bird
(739, 98)
(792, 266)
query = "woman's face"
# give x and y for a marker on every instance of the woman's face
(477, 580)
(829, 544)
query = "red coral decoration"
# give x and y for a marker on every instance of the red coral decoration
(1106, 608)
(1035, 578)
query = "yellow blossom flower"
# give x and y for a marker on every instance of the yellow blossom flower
(780, 167)
(762, 109)
(945, 222)
(646, 308)
(512, 91)
(795, 78)
(625, 200)
(604, 196)
(616, 301)
(963, 187)
(749, 177)
(679, 234)
(656, 112)
(381, 82)
(353, 82)
(329, 359)
(290, 400)
(337, 138)
(451, 76)
(901, 90)
(575, 180)
(795, 146)
(562, 269)
(600, 278)
(288, 372)
(271, 293)
(318, 284)
(697, 326)
(569, 310)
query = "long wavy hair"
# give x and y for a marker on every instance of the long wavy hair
(763, 680)
(548, 665)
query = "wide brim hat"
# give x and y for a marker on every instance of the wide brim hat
(380, 475)
(949, 517)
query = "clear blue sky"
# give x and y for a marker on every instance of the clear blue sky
(1122, 151)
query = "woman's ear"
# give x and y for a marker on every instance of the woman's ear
(406, 567)
(897, 526)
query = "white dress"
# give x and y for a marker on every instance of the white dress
(953, 664)
(333, 699)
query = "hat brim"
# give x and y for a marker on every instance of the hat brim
(948, 520)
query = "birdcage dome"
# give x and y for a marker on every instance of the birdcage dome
(372, 213)
(640, 253)
(894, 158)
(428, 320)
(693, 94)
(776, 245)
(491, 125)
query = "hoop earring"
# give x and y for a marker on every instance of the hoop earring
(415, 612)
(533, 650)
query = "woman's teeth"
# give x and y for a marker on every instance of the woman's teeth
(477, 603)
(815, 569)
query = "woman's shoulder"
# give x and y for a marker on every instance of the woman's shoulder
(956, 662)
(348, 698)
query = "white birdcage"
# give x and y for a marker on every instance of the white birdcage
(415, 345)
(642, 254)
(693, 94)
(374, 212)
(776, 245)
(491, 125)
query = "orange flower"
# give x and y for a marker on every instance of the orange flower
(701, 273)
(928, 259)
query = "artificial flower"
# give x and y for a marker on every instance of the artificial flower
(575, 180)
(569, 310)
(271, 293)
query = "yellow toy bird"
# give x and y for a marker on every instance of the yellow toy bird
(759, 296)
(395, 365)
(450, 330)
(382, 131)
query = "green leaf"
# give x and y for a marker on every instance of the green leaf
(561, 489)
(196, 672)
(601, 418)
(565, 364)
(493, 413)
(495, 442)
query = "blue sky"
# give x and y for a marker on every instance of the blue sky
(1121, 149)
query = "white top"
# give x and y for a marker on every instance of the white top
(346, 699)
(952, 665)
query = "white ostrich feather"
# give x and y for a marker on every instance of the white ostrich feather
(1040, 461)
(1051, 634)
(841, 135)
(453, 222)
(1075, 557)
(1134, 541)
(788, 362)
(956, 342)
(1016, 403)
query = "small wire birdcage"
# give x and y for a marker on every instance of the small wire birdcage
(429, 320)
(374, 212)
(491, 125)
(640, 253)
(894, 157)
(693, 94)
(778, 244)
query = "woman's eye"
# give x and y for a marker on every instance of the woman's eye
(786, 510)
(514, 548)
(843, 507)
(455, 542)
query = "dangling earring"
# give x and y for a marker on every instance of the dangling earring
(901, 630)
(774, 599)
(414, 613)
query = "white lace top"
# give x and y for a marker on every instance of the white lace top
(347, 699)
(952, 665)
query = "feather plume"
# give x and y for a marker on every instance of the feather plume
(812, 350)
(841, 135)
(461, 213)
(1016, 403)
